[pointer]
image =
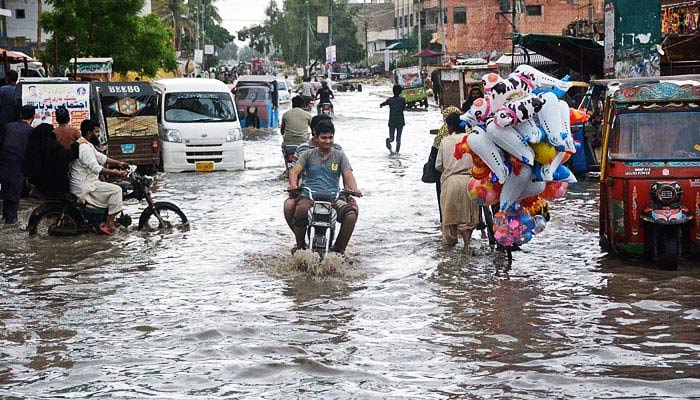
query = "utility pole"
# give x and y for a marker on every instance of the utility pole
(366, 42)
(512, 40)
(308, 30)
(442, 27)
(420, 38)
(330, 24)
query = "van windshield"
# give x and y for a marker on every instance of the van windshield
(199, 107)
(665, 135)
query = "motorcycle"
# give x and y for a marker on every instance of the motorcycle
(666, 223)
(65, 216)
(325, 108)
(320, 231)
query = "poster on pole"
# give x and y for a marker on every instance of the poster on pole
(198, 56)
(330, 54)
(208, 49)
(322, 24)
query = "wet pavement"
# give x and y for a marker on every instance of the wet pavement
(221, 310)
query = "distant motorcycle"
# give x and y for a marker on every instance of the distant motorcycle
(65, 216)
(320, 231)
(325, 108)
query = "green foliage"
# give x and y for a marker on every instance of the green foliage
(108, 28)
(182, 16)
(285, 30)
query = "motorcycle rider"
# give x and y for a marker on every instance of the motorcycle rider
(323, 166)
(324, 95)
(85, 177)
(294, 128)
(307, 91)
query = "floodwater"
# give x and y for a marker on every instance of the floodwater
(221, 309)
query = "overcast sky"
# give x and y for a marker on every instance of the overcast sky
(237, 14)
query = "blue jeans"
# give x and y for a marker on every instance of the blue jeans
(398, 130)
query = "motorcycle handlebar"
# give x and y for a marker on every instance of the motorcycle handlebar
(341, 192)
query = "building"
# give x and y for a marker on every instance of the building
(375, 24)
(20, 29)
(477, 27)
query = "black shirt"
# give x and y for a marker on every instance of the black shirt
(396, 106)
(324, 94)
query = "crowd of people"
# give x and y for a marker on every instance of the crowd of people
(54, 161)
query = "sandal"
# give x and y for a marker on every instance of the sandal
(104, 230)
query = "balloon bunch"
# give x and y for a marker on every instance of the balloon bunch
(515, 226)
(520, 138)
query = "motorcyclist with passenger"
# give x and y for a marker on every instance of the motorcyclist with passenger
(322, 167)
(85, 173)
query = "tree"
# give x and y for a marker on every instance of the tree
(108, 28)
(285, 31)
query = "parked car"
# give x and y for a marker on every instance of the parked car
(285, 94)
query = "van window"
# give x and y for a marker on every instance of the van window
(199, 107)
(656, 136)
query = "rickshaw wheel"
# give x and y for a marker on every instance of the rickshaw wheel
(668, 249)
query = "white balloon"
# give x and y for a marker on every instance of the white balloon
(550, 119)
(515, 186)
(510, 141)
(541, 79)
(481, 144)
(566, 126)
(533, 189)
(529, 131)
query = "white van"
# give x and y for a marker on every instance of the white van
(198, 128)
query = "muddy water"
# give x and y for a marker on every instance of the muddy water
(220, 310)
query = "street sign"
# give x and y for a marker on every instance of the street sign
(330, 54)
(208, 49)
(322, 24)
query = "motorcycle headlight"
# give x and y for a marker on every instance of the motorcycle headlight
(322, 208)
(172, 135)
(233, 135)
(666, 193)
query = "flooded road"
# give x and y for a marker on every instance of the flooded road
(219, 310)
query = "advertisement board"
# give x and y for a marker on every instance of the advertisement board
(47, 97)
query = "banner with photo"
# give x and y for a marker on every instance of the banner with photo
(46, 97)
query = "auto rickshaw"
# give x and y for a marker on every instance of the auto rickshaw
(257, 99)
(650, 168)
(130, 111)
(411, 83)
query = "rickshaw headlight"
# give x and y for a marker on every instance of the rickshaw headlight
(173, 135)
(666, 193)
(234, 135)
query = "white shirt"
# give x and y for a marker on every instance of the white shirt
(85, 170)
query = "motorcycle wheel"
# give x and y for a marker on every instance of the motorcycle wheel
(667, 242)
(319, 243)
(171, 215)
(54, 223)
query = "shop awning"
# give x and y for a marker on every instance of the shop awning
(15, 56)
(533, 59)
(578, 54)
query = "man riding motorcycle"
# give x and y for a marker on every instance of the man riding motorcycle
(324, 95)
(323, 166)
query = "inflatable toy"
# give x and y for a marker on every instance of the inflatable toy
(481, 144)
(511, 142)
